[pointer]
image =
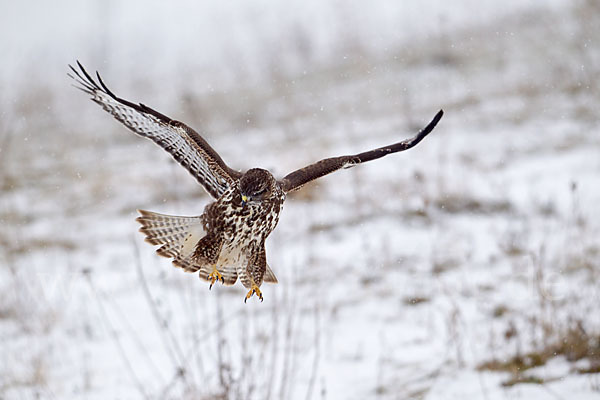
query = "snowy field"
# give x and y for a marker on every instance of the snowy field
(465, 268)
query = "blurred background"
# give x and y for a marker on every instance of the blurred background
(465, 268)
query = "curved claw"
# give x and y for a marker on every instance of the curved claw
(214, 276)
(254, 289)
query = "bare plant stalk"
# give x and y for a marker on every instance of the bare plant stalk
(196, 346)
(170, 347)
(195, 329)
(317, 356)
(454, 324)
(246, 362)
(116, 340)
(274, 348)
(142, 350)
(223, 382)
(287, 356)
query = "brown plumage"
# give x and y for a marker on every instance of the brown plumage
(226, 242)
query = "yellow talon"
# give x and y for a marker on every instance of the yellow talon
(253, 290)
(215, 276)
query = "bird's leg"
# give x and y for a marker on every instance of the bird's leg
(214, 276)
(254, 289)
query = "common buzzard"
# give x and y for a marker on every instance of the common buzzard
(226, 242)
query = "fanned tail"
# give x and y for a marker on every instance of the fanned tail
(178, 236)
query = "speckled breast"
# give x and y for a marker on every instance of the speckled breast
(240, 226)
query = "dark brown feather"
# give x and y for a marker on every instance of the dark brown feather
(298, 178)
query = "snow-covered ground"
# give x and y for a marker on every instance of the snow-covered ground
(437, 273)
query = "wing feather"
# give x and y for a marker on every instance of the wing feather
(298, 178)
(184, 144)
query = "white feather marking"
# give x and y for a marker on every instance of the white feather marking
(189, 242)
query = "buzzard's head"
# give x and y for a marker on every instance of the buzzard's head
(256, 185)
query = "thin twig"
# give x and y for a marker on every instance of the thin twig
(195, 347)
(195, 326)
(274, 348)
(116, 340)
(170, 345)
(220, 342)
(315, 365)
(246, 359)
(287, 356)
(142, 350)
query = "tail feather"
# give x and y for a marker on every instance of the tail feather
(228, 271)
(269, 275)
(177, 236)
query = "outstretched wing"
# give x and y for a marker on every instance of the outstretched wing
(186, 146)
(296, 179)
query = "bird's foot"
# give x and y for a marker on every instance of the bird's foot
(213, 277)
(252, 291)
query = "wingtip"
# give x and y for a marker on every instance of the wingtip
(72, 68)
(426, 130)
(433, 123)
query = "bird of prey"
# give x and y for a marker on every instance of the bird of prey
(226, 242)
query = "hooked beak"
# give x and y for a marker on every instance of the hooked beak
(244, 200)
